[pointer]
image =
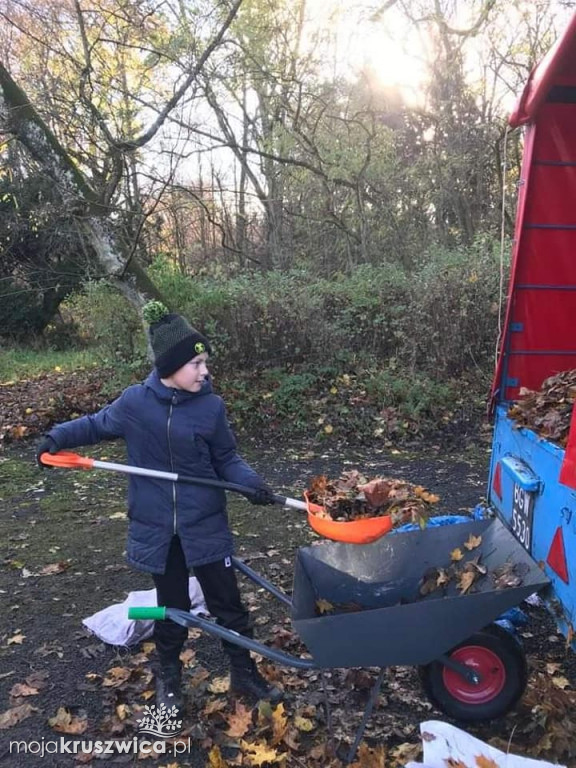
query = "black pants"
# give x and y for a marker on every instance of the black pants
(220, 588)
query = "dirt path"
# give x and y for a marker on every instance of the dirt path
(61, 554)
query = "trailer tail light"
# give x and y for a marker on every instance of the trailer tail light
(497, 481)
(557, 556)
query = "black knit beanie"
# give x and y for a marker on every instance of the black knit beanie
(174, 341)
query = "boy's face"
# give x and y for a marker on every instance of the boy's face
(191, 376)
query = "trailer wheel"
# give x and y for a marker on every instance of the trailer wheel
(497, 656)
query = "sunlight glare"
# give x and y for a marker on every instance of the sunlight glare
(390, 50)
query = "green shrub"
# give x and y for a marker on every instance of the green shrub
(440, 318)
(373, 352)
(110, 321)
(452, 322)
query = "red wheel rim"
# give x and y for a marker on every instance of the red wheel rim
(486, 664)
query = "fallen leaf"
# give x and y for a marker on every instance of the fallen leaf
(264, 712)
(473, 542)
(279, 724)
(187, 657)
(304, 724)
(239, 721)
(65, 722)
(507, 576)
(466, 580)
(485, 762)
(219, 685)
(122, 710)
(258, 753)
(11, 717)
(198, 677)
(214, 706)
(291, 739)
(442, 578)
(561, 682)
(53, 568)
(456, 555)
(21, 689)
(324, 606)
(370, 757)
(451, 762)
(376, 492)
(115, 676)
(215, 759)
(16, 639)
(429, 582)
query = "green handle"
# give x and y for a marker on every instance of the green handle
(150, 614)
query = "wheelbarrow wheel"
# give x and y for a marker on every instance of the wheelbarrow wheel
(497, 656)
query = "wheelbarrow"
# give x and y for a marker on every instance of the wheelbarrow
(471, 668)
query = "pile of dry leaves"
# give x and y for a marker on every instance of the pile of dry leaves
(549, 410)
(352, 496)
(29, 407)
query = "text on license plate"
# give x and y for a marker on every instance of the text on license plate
(522, 513)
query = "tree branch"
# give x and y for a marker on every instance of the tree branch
(129, 145)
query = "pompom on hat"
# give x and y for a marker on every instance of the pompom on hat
(174, 341)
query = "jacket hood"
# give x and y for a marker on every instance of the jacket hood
(168, 393)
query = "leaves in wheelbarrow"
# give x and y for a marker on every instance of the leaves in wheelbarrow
(353, 496)
(324, 607)
(465, 573)
(509, 575)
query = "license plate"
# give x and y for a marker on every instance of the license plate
(522, 513)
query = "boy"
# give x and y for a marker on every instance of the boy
(174, 422)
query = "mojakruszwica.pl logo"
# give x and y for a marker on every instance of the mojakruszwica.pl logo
(156, 726)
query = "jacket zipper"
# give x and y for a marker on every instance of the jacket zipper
(171, 459)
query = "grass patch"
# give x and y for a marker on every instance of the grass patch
(21, 364)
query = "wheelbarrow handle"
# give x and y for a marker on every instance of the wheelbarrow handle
(186, 619)
(66, 459)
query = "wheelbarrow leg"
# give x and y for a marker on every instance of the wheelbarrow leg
(367, 712)
(327, 706)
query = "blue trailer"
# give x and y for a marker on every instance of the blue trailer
(532, 480)
(532, 483)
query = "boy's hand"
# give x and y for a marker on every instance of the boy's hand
(46, 445)
(262, 496)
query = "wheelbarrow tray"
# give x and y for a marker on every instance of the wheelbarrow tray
(396, 624)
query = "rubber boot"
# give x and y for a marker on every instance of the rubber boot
(245, 680)
(169, 687)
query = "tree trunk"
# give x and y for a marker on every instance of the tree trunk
(113, 256)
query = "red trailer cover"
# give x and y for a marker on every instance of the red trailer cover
(539, 337)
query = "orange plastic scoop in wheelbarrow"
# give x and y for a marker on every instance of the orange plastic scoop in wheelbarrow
(362, 531)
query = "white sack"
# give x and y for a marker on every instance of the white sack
(443, 742)
(112, 625)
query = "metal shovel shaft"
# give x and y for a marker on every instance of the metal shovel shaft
(173, 477)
